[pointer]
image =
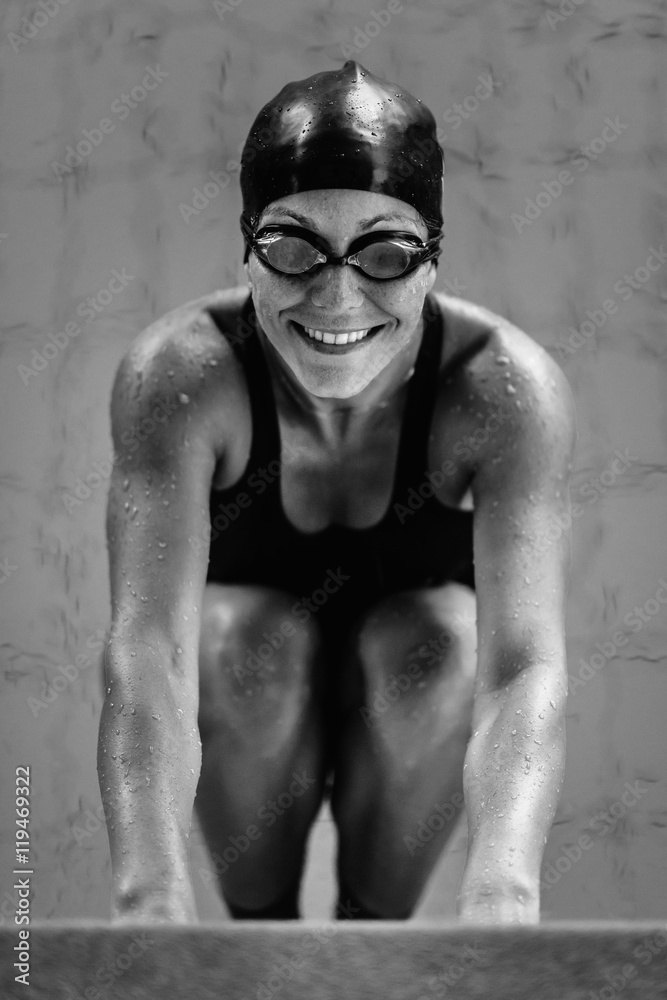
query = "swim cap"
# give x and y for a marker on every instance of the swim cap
(343, 129)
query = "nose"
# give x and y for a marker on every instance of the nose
(337, 287)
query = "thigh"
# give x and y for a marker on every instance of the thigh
(252, 652)
(424, 631)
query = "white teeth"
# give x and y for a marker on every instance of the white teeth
(337, 338)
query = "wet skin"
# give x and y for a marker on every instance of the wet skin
(340, 410)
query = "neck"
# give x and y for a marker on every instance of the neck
(336, 418)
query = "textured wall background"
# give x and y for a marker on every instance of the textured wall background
(555, 190)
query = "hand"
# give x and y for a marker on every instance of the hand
(499, 905)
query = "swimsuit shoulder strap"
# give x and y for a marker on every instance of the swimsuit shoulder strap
(412, 461)
(265, 445)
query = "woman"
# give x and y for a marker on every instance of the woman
(292, 548)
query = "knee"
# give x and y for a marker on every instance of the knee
(419, 631)
(254, 657)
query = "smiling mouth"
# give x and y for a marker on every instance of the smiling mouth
(336, 338)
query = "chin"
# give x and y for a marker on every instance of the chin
(332, 383)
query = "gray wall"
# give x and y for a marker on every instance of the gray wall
(555, 81)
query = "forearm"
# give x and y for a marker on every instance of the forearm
(513, 776)
(149, 759)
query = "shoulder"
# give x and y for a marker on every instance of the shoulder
(182, 363)
(496, 363)
(188, 334)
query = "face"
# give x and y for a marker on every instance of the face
(341, 299)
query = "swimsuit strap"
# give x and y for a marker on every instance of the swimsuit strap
(412, 460)
(265, 446)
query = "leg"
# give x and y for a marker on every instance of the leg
(399, 757)
(262, 747)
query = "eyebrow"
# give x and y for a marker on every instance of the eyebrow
(363, 223)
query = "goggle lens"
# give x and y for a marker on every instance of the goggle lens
(383, 260)
(291, 254)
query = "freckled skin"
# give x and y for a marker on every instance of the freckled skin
(343, 298)
(175, 637)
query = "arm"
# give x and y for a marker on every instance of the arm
(515, 760)
(149, 753)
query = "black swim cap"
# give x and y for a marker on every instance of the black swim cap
(343, 129)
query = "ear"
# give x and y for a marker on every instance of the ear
(246, 268)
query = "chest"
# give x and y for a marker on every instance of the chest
(351, 482)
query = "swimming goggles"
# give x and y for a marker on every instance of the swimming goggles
(381, 255)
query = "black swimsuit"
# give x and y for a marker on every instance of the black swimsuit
(339, 572)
